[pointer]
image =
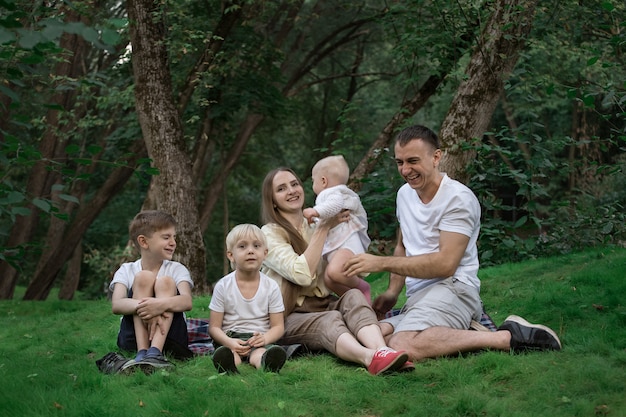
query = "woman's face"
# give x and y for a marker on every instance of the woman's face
(287, 192)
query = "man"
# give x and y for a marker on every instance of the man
(436, 257)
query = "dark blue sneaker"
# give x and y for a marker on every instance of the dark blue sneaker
(224, 360)
(528, 336)
(273, 359)
(151, 363)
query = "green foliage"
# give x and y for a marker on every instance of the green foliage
(564, 105)
(542, 217)
(50, 348)
(99, 267)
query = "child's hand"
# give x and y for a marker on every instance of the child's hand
(148, 308)
(310, 214)
(157, 324)
(257, 340)
(240, 346)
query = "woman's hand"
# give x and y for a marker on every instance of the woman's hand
(343, 216)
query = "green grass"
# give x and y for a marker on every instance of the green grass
(48, 349)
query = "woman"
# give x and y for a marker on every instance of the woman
(346, 327)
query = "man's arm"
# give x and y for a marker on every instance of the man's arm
(387, 300)
(441, 264)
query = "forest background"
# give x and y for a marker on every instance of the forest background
(111, 107)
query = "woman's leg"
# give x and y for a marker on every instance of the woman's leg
(360, 319)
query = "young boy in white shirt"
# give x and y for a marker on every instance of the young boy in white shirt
(152, 293)
(246, 309)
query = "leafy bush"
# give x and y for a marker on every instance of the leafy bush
(98, 269)
(525, 215)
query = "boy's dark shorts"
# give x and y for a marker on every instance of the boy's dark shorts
(176, 343)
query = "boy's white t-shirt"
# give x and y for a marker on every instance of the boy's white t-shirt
(454, 208)
(242, 314)
(125, 275)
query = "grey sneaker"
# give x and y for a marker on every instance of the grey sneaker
(224, 360)
(113, 363)
(273, 359)
(529, 336)
(151, 363)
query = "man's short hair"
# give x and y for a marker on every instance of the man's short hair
(417, 132)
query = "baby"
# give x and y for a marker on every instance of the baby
(347, 239)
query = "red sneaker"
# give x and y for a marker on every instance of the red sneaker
(407, 367)
(387, 360)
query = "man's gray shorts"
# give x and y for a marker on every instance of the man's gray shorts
(446, 303)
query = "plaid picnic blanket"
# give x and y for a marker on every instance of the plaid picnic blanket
(200, 343)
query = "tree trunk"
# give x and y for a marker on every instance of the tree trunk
(163, 133)
(47, 271)
(72, 275)
(376, 151)
(217, 184)
(495, 57)
(40, 178)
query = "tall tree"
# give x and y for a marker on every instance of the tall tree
(163, 132)
(494, 57)
(42, 177)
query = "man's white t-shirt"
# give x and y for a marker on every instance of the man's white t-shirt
(454, 208)
(242, 314)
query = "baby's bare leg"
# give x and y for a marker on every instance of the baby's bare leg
(336, 279)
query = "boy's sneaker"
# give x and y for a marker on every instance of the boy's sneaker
(224, 360)
(273, 359)
(387, 360)
(529, 336)
(151, 363)
(113, 363)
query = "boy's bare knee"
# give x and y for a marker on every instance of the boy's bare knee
(143, 285)
(165, 286)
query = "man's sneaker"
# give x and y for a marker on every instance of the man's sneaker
(151, 363)
(529, 336)
(113, 363)
(387, 360)
(224, 360)
(273, 359)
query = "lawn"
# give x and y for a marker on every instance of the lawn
(48, 352)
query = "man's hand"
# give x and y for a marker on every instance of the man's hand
(362, 264)
(384, 302)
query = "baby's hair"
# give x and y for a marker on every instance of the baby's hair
(147, 222)
(334, 167)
